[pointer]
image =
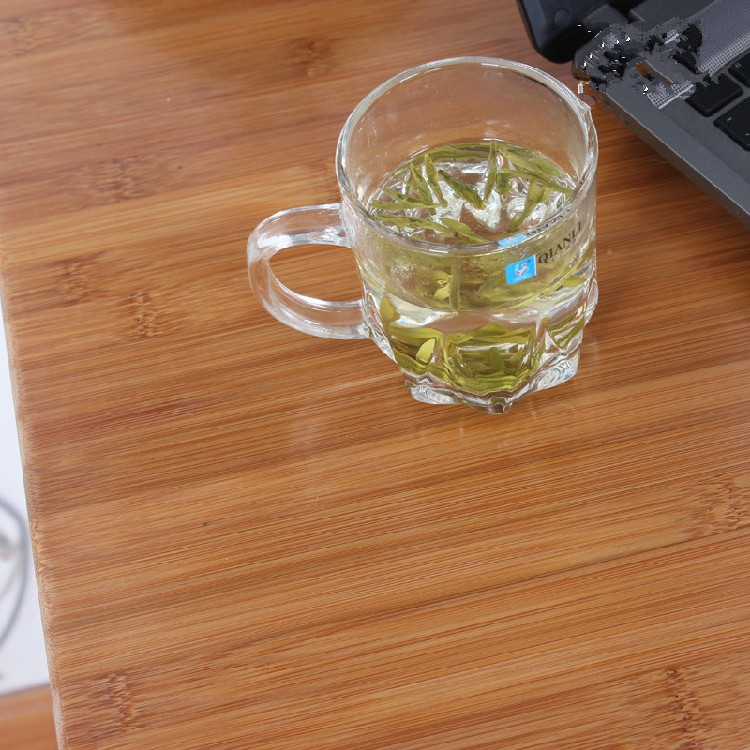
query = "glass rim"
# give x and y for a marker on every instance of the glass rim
(582, 183)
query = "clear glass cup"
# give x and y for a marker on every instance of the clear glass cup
(477, 319)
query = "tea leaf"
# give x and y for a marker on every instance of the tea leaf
(425, 351)
(543, 179)
(385, 205)
(503, 182)
(461, 189)
(419, 184)
(530, 161)
(460, 228)
(535, 194)
(455, 285)
(393, 206)
(411, 337)
(388, 312)
(572, 281)
(432, 179)
(491, 173)
(395, 194)
(443, 292)
(564, 338)
(404, 200)
(413, 222)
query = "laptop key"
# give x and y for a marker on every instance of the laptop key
(736, 123)
(687, 46)
(687, 58)
(741, 69)
(711, 96)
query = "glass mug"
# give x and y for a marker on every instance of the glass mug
(468, 200)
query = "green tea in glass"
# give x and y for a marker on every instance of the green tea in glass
(468, 195)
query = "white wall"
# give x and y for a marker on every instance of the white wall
(23, 661)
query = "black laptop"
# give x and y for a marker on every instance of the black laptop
(675, 71)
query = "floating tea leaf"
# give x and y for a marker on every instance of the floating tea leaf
(432, 179)
(464, 191)
(412, 222)
(419, 184)
(452, 186)
(460, 228)
(491, 173)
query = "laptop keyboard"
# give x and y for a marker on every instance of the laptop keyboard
(684, 86)
(714, 94)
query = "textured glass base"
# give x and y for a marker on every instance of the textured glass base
(426, 389)
(559, 363)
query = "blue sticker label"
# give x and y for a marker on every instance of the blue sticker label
(520, 271)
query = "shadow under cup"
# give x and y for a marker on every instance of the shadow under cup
(460, 320)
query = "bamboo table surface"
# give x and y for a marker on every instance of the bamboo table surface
(250, 538)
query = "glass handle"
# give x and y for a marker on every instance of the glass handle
(309, 225)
